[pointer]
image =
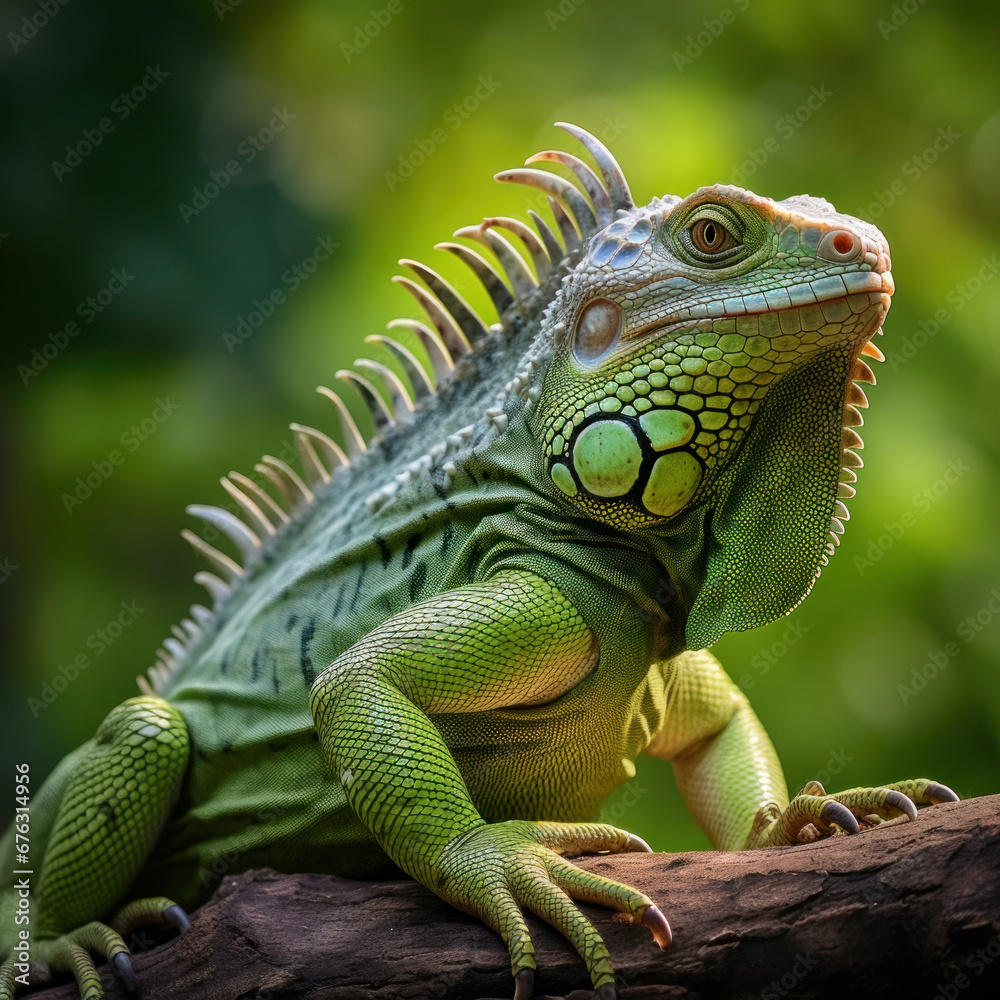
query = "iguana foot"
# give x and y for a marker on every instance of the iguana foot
(72, 952)
(813, 814)
(499, 868)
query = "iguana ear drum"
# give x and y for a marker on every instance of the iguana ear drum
(597, 330)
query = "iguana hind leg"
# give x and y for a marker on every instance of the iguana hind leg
(111, 814)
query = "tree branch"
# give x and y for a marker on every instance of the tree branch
(908, 910)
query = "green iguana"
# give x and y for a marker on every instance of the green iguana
(446, 646)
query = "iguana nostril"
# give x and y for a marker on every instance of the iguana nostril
(840, 246)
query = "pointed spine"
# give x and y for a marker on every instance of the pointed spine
(217, 589)
(587, 178)
(559, 189)
(402, 404)
(552, 246)
(535, 247)
(419, 379)
(614, 177)
(440, 318)
(308, 440)
(286, 479)
(353, 438)
(251, 509)
(382, 416)
(231, 526)
(498, 292)
(267, 504)
(442, 362)
(522, 281)
(216, 559)
(464, 315)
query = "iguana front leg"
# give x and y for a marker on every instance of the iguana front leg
(731, 778)
(515, 640)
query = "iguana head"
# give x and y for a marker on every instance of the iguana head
(700, 387)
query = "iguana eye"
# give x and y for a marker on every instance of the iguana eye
(710, 237)
(597, 329)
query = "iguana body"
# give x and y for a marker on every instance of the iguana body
(450, 651)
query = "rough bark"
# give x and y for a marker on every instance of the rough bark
(912, 910)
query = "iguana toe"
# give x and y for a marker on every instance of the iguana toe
(123, 966)
(833, 813)
(939, 793)
(654, 919)
(176, 917)
(524, 984)
(813, 813)
(636, 844)
(897, 800)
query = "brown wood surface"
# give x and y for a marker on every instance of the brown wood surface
(908, 911)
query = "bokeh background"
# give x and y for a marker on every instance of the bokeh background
(891, 111)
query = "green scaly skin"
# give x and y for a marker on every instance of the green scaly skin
(448, 657)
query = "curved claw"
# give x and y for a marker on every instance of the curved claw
(899, 801)
(939, 793)
(524, 984)
(123, 966)
(176, 916)
(654, 919)
(607, 992)
(834, 812)
(635, 843)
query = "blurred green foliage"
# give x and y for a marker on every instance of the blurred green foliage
(841, 100)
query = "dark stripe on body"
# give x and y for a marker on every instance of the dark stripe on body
(305, 661)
